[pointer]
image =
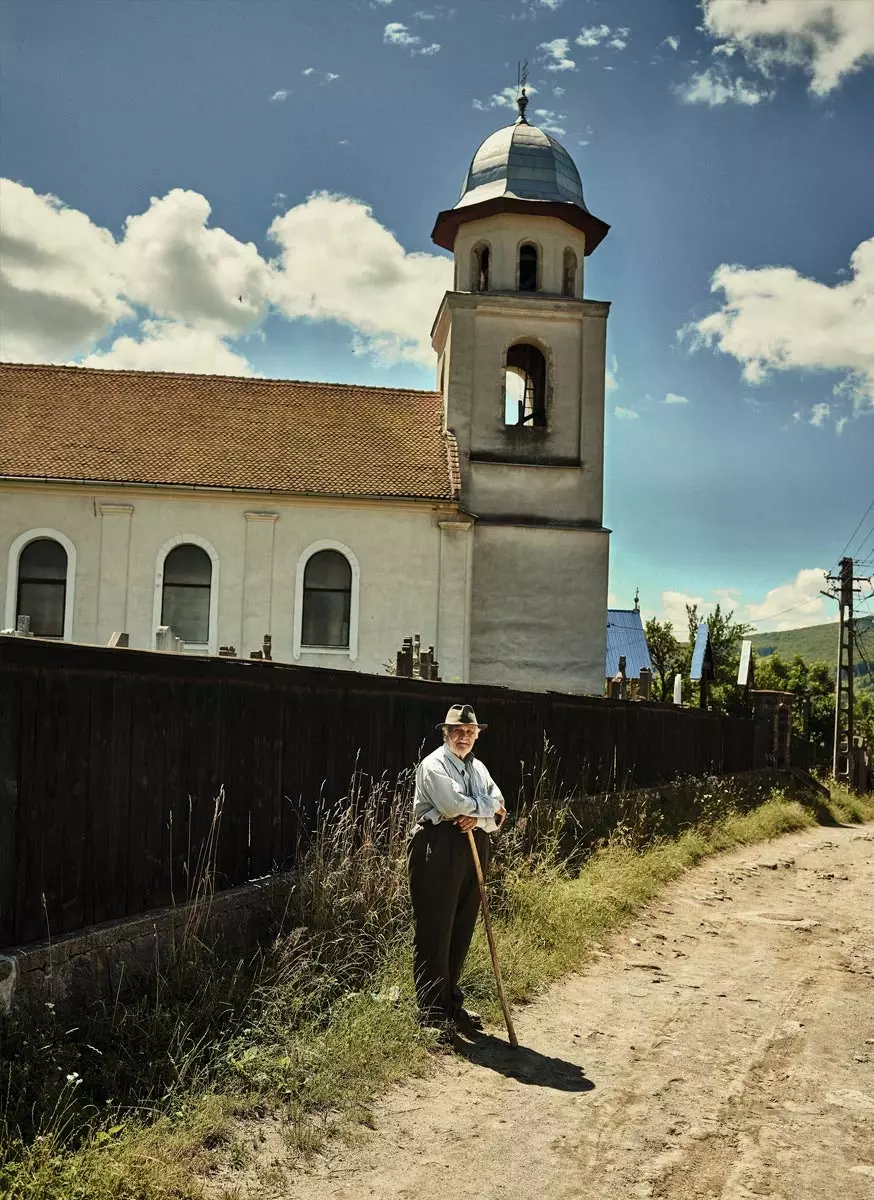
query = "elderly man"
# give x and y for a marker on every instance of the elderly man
(454, 793)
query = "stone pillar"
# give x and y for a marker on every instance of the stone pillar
(453, 608)
(257, 580)
(112, 585)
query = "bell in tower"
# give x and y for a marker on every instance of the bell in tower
(521, 359)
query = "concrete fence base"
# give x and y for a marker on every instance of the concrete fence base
(118, 958)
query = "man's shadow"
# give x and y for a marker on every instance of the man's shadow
(523, 1064)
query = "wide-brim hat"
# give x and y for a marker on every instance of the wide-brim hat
(461, 714)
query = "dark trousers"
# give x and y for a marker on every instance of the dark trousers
(445, 896)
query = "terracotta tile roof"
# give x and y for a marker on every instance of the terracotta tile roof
(277, 435)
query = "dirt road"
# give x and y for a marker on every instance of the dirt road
(724, 1048)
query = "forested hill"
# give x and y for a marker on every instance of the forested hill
(816, 643)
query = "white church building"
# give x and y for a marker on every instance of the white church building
(337, 518)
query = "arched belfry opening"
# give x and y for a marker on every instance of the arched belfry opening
(479, 272)
(525, 387)
(528, 267)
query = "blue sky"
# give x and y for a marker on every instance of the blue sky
(728, 146)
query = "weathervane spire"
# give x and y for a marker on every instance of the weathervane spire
(522, 98)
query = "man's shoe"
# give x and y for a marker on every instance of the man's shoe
(466, 1024)
(473, 1017)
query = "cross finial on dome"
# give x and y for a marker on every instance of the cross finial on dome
(522, 98)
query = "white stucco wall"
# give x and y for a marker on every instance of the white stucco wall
(413, 573)
(539, 608)
(503, 233)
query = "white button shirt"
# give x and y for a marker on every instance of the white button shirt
(448, 787)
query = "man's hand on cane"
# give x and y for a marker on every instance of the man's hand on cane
(465, 824)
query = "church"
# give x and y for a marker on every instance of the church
(340, 519)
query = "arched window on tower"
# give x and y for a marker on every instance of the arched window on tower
(42, 587)
(527, 267)
(525, 387)
(569, 273)
(327, 600)
(185, 593)
(480, 268)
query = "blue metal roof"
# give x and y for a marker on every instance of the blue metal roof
(701, 643)
(625, 635)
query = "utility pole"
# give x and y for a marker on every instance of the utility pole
(843, 759)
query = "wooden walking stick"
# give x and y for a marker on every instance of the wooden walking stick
(488, 924)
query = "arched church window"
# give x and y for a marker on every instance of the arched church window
(480, 272)
(527, 267)
(525, 387)
(327, 600)
(42, 587)
(569, 273)
(186, 591)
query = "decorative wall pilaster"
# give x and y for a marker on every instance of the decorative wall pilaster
(453, 612)
(257, 581)
(112, 588)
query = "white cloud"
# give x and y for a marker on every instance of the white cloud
(819, 413)
(338, 263)
(170, 346)
(549, 121)
(674, 610)
(326, 76)
(671, 41)
(556, 52)
(59, 277)
(625, 414)
(558, 91)
(774, 319)
(801, 595)
(716, 86)
(611, 376)
(790, 605)
(617, 43)
(672, 398)
(175, 266)
(503, 99)
(829, 39)
(550, 4)
(593, 35)
(183, 291)
(396, 34)
(282, 94)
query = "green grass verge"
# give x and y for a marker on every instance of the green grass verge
(325, 1022)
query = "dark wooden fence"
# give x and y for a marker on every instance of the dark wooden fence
(111, 760)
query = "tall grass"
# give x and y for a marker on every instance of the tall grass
(140, 1100)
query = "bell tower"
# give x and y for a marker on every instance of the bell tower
(521, 362)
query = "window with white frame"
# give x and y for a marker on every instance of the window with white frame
(186, 590)
(42, 587)
(327, 601)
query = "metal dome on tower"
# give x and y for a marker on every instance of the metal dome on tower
(522, 169)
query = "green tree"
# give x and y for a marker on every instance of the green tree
(726, 636)
(814, 688)
(668, 656)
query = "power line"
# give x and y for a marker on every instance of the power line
(856, 530)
